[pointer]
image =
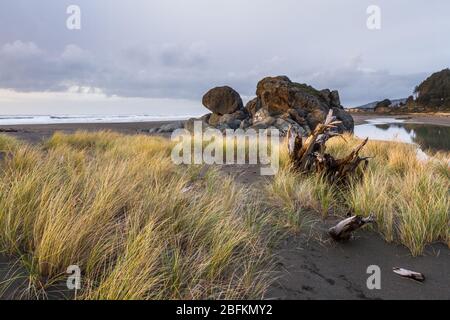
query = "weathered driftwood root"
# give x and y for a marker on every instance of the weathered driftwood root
(344, 229)
(409, 274)
(309, 155)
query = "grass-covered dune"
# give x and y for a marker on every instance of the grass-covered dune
(409, 197)
(119, 208)
(141, 227)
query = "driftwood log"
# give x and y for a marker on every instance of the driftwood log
(309, 155)
(344, 229)
(405, 273)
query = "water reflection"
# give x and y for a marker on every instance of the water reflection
(428, 137)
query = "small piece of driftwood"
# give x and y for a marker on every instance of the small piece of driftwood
(344, 229)
(309, 155)
(188, 188)
(417, 276)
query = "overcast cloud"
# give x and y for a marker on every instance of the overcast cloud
(175, 50)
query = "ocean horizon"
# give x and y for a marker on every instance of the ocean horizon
(6, 120)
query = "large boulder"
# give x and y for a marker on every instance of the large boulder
(284, 124)
(335, 99)
(223, 100)
(346, 119)
(314, 117)
(232, 120)
(170, 127)
(279, 102)
(245, 124)
(273, 94)
(206, 117)
(190, 124)
(216, 119)
(331, 97)
(253, 106)
(279, 95)
(260, 115)
(264, 124)
(297, 115)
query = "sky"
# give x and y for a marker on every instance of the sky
(160, 57)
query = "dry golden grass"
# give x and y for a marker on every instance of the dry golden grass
(118, 207)
(409, 197)
(114, 205)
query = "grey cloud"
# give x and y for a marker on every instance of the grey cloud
(360, 85)
(168, 71)
(177, 72)
(26, 67)
(179, 49)
(173, 55)
(20, 50)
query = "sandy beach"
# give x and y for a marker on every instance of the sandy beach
(313, 267)
(36, 132)
(204, 153)
(424, 118)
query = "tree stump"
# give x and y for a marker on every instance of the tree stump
(309, 155)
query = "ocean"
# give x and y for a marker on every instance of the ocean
(59, 119)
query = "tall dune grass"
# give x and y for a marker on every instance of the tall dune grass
(409, 197)
(118, 207)
(141, 227)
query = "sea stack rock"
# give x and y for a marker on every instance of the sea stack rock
(279, 95)
(279, 103)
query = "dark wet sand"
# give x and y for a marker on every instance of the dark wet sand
(311, 266)
(434, 119)
(37, 132)
(311, 269)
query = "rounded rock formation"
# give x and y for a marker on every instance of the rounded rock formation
(279, 103)
(278, 95)
(222, 100)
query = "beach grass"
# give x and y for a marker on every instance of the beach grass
(141, 227)
(409, 196)
(138, 226)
